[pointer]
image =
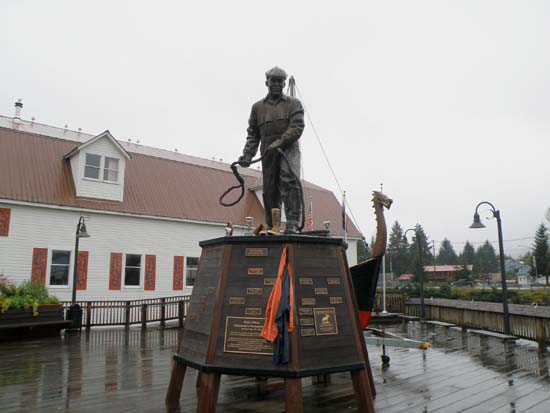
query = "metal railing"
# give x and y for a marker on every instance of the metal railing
(126, 313)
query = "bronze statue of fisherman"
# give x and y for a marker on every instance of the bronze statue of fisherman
(277, 121)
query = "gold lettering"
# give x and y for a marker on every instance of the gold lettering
(256, 252)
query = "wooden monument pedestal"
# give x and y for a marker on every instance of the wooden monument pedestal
(227, 312)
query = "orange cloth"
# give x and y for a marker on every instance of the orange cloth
(270, 331)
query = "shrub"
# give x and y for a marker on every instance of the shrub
(26, 295)
(493, 295)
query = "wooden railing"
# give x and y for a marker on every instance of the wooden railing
(126, 313)
(529, 322)
(395, 302)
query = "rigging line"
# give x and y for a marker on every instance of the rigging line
(356, 222)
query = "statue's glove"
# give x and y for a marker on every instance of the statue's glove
(244, 161)
(275, 145)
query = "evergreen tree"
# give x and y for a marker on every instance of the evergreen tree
(447, 254)
(419, 251)
(541, 250)
(468, 255)
(486, 259)
(397, 252)
(364, 251)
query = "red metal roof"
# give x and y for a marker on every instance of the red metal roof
(33, 169)
(446, 268)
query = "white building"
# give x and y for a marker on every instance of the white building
(146, 210)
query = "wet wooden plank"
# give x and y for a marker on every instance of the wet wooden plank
(118, 370)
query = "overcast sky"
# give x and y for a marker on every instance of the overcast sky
(446, 103)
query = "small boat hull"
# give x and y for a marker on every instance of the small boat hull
(365, 278)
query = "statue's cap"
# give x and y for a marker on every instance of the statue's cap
(276, 72)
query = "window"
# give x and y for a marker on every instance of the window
(110, 173)
(132, 271)
(59, 269)
(93, 162)
(192, 263)
(94, 165)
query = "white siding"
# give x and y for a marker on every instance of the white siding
(36, 227)
(351, 252)
(39, 227)
(98, 188)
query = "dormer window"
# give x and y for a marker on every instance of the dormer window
(96, 163)
(93, 165)
(98, 167)
(110, 173)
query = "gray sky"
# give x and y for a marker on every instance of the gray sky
(445, 102)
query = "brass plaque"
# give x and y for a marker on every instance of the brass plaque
(256, 252)
(255, 271)
(269, 281)
(304, 332)
(236, 300)
(336, 300)
(254, 291)
(306, 321)
(211, 290)
(306, 281)
(333, 281)
(321, 291)
(202, 307)
(308, 301)
(242, 335)
(192, 316)
(253, 311)
(305, 311)
(325, 321)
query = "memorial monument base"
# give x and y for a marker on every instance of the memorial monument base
(227, 312)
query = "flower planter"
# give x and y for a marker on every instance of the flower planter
(22, 323)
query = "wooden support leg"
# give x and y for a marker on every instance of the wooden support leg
(208, 392)
(176, 383)
(198, 383)
(320, 379)
(261, 386)
(293, 396)
(362, 389)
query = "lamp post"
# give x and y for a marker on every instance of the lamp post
(74, 313)
(477, 224)
(422, 305)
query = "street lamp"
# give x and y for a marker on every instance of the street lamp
(478, 224)
(74, 313)
(422, 305)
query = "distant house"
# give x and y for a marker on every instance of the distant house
(405, 278)
(523, 274)
(444, 273)
(146, 210)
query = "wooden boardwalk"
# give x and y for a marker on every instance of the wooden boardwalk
(119, 371)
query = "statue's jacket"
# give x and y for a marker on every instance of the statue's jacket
(271, 120)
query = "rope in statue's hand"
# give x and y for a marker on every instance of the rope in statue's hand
(241, 184)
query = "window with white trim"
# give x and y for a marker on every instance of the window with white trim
(110, 172)
(92, 166)
(132, 270)
(191, 264)
(96, 163)
(60, 267)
